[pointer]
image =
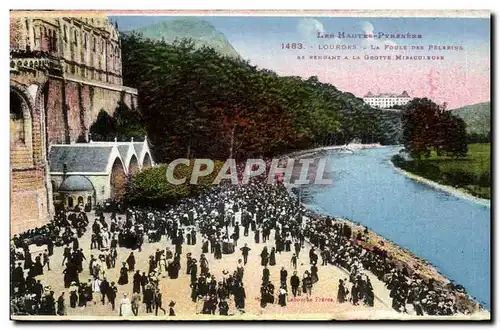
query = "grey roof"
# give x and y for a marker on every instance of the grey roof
(123, 149)
(76, 183)
(92, 158)
(404, 94)
(138, 148)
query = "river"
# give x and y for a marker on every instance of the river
(450, 232)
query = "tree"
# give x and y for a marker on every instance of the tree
(427, 126)
(151, 187)
(196, 102)
(123, 125)
(129, 124)
(420, 120)
(455, 141)
(104, 128)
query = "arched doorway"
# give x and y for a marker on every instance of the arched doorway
(118, 179)
(20, 120)
(133, 166)
(70, 201)
(147, 161)
(80, 200)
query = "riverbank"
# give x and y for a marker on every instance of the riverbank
(343, 148)
(470, 174)
(458, 192)
(403, 258)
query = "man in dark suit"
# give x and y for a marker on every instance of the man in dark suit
(112, 294)
(66, 254)
(244, 251)
(104, 287)
(295, 283)
(148, 298)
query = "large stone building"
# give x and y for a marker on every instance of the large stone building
(386, 100)
(63, 71)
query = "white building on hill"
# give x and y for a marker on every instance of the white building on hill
(386, 100)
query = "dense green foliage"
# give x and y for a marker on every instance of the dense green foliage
(197, 103)
(124, 124)
(151, 187)
(427, 127)
(390, 127)
(472, 173)
(479, 138)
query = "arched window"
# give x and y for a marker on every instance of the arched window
(17, 120)
(36, 37)
(54, 40)
(70, 201)
(85, 39)
(113, 56)
(75, 36)
(65, 33)
(80, 200)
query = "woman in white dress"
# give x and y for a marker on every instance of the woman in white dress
(126, 306)
(105, 239)
(96, 285)
(163, 265)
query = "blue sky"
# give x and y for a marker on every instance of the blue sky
(464, 74)
(234, 27)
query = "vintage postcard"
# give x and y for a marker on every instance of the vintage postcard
(250, 165)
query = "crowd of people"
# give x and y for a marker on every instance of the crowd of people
(220, 216)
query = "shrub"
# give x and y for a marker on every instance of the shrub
(484, 179)
(151, 187)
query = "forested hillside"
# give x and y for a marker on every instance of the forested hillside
(198, 103)
(478, 119)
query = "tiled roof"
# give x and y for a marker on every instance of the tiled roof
(138, 148)
(123, 149)
(89, 158)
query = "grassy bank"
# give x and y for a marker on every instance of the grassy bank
(471, 173)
